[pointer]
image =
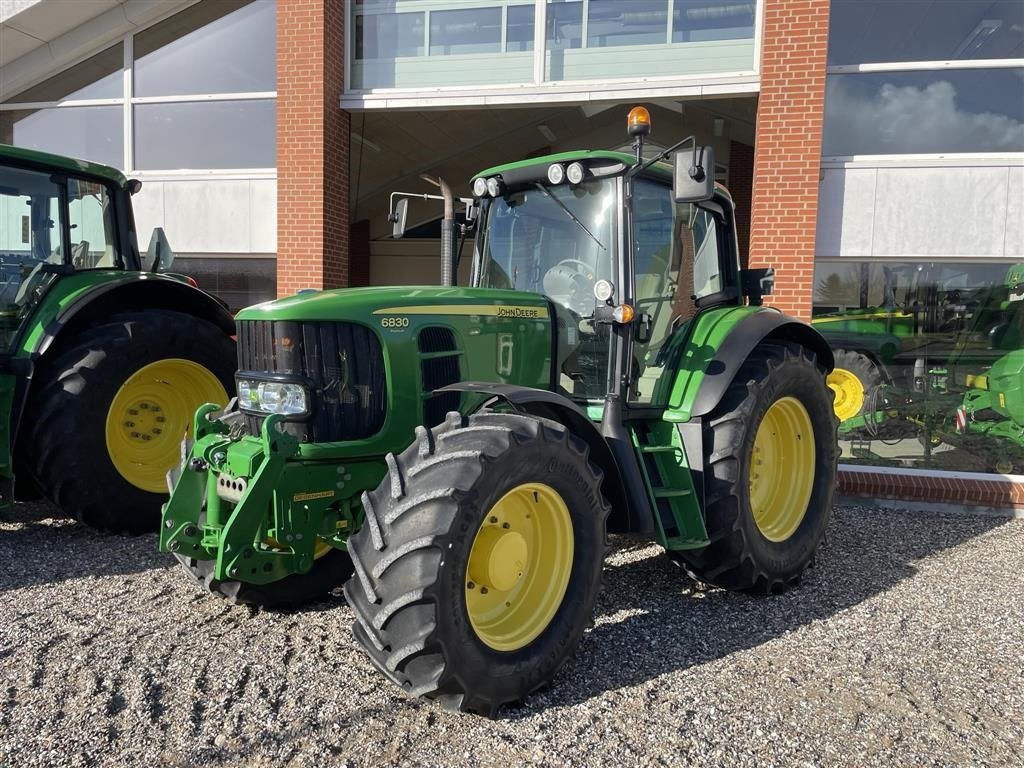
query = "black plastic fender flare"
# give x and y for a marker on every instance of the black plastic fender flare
(551, 405)
(751, 331)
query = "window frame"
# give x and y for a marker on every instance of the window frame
(128, 100)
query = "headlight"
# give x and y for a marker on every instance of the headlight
(575, 173)
(494, 186)
(288, 398)
(556, 173)
(480, 186)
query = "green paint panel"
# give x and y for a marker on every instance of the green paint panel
(692, 347)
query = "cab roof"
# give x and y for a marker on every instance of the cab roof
(23, 156)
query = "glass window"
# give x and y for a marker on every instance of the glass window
(930, 357)
(519, 24)
(229, 46)
(98, 77)
(240, 281)
(695, 20)
(565, 25)
(30, 235)
(89, 133)
(221, 135)
(862, 31)
(91, 220)
(639, 22)
(389, 35)
(472, 30)
(924, 112)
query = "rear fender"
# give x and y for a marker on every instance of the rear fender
(701, 383)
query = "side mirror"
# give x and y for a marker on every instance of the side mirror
(694, 182)
(159, 255)
(398, 218)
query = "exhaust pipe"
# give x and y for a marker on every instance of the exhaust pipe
(448, 238)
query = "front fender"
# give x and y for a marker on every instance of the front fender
(545, 404)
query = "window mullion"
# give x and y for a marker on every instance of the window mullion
(128, 86)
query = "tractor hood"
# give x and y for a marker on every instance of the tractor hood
(372, 305)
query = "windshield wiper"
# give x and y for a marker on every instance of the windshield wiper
(568, 213)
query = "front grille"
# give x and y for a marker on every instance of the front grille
(343, 360)
(440, 369)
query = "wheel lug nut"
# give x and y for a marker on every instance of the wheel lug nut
(135, 434)
(505, 525)
(133, 412)
(161, 419)
(470, 585)
(483, 590)
(494, 519)
(157, 431)
(129, 423)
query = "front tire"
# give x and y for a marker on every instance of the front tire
(770, 454)
(108, 414)
(480, 560)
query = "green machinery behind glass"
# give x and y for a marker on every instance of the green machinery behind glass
(103, 358)
(456, 455)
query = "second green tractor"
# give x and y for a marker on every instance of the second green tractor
(455, 456)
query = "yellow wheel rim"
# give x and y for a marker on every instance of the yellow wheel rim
(849, 393)
(519, 566)
(151, 413)
(782, 469)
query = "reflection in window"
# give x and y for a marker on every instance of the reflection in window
(862, 31)
(91, 219)
(389, 35)
(89, 133)
(98, 77)
(236, 134)
(924, 112)
(223, 47)
(695, 20)
(519, 28)
(473, 30)
(639, 22)
(239, 281)
(565, 25)
(930, 355)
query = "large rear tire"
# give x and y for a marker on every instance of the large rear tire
(108, 414)
(480, 560)
(770, 455)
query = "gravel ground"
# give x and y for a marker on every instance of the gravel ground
(904, 646)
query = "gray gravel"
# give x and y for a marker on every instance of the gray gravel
(904, 646)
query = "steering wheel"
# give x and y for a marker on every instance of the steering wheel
(571, 283)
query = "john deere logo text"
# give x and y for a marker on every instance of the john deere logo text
(527, 312)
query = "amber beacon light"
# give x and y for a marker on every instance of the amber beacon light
(639, 121)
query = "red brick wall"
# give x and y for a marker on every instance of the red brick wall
(312, 147)
(741, 181)
(788, 152)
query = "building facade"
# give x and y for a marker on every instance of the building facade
(875, 149)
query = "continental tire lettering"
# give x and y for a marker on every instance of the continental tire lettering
(569, 472)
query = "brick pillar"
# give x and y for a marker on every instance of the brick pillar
(741, 182)
(788, 149)
(312, 147)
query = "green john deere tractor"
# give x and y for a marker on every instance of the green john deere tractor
(103, 359)
(464, 450)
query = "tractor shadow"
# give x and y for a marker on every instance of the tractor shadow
(40, 545)
(652, 619)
